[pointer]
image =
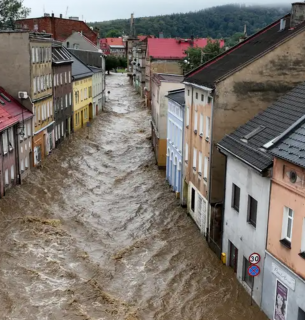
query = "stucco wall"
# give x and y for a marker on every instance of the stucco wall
(193, 139)
(245, 237)
(284, 193)
(241, 96)
(296, 297)
(15, 55)
(83, 44)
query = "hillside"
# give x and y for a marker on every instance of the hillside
(217, 22)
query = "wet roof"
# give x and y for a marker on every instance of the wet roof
(169, 77)
(265, 127)
(79, 69)
(234, 58)
(177, 96)
(292, 146)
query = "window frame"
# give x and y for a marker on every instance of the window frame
(250, 213)
(233, 204)
(194, 159)
(285, 224)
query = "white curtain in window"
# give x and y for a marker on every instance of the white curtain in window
(12, 172)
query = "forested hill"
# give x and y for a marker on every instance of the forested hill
(216, 22)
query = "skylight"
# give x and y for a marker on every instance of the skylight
(253, 133)
(2, 102)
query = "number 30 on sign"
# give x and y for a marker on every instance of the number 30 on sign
(254, 258)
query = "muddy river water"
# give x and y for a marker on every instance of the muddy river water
(96, 233)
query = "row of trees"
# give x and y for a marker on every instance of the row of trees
(113, 62)
(218, 22)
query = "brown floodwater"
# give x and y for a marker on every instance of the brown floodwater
(97, 234)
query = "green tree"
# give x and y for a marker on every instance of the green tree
(113, 34)
(10, 11)
(197, 56)
(122, 62)
(112, 62)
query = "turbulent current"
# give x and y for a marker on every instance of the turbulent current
(96, 233)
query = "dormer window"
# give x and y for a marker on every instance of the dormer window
(252, 133)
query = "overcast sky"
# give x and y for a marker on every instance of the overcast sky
(101, 10)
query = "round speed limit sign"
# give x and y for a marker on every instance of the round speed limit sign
(254, 258)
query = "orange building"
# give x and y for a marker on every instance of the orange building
(284, 270)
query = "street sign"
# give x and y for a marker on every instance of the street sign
(254, 270)
(254, 258)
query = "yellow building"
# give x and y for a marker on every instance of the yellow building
(82, 93)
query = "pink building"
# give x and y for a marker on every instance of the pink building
(284, 272)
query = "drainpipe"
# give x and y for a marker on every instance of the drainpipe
(266, 241)
(224, 202)
(210, 170)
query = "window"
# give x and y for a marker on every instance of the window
(70, 98)
(66, 100)
(33, 55)
(54, 81)
(22, 165)
(287, 224)
(187, 116)
(81, 94)
(50, 80)
(195, 121)
(12, 172)
(27, 162)
(210, 99)
(61, 78)
(188, 92)
(62, 128)
(4, 142)
(6, 177)
(51, 108)
(24, 131)
(246, 277)
(29, 129)
(48, 110)
(235, 197)
(38, 84)
(205, 172)
(202, 97)
(186, 152)
(233, 258)
(193, 198)
(65, 77)
(252, 211)
(47, 81)
(34, 86)
(41, 83)
(37, 55)
(201, 125)
(207, 127)
(194, 159)
(200, 163)
(196, 95)
(11, 138)
(57, 79)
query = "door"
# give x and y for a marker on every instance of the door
(82, 118)
(233, 257)
(96, 110)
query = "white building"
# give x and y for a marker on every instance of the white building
(97, 91)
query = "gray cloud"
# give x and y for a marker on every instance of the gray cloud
(97, 10)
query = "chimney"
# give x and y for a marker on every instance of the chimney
(60, 16)
(52, 15)
(192, 41)
(161, 35)
(297, 14)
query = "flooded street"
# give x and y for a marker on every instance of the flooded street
(96, 233)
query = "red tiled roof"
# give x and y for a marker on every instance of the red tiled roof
(141, 38)
(12, 110)
(169, 48)
(115, 41)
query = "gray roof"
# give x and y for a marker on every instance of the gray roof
(79, 69)
(95, 69)
(275, 120)
(244, 52)
(177, 96)
(292, 146)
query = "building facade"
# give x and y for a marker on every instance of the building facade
(62, 91)
(9, 150)
(77, 40)
(97, 91)
(229, 76)
(24, 133)
(175, 134)
(284, 272)
(60, 28)
(164, 56)
(162, 83)
(113, 46)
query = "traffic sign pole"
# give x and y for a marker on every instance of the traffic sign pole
(253, 271)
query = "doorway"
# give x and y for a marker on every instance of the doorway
(233, 257)
(82, 117)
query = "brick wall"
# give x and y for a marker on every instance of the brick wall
(60, 28)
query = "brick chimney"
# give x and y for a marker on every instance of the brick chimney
(297, 13)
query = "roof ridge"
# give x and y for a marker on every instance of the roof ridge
(238, 45)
